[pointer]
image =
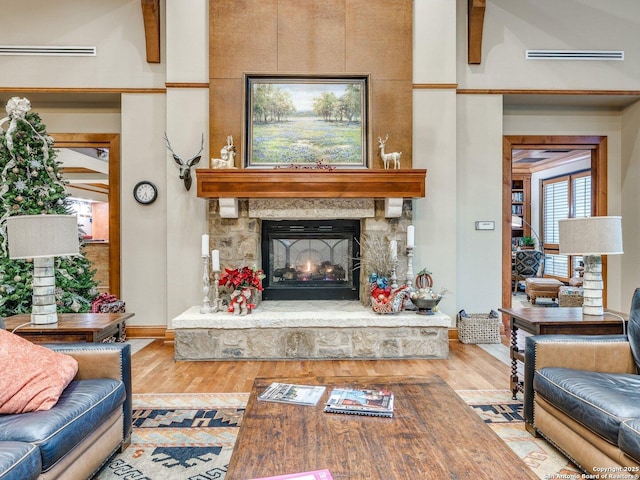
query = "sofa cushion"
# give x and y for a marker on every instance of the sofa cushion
(83, 405)
(33, 376)
(629, 440)
(633, 330)
(599, 401)
(19, 461)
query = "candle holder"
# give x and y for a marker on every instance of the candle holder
(217, 301)
(206, 306)
(409, 267)
(394, 278)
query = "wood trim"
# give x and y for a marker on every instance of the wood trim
(599, 161)
(152, 331)
(475, 24)
(277, 183)
(186, 85)
(488, 91)
(435, 86)
(151, 18)
(111, 141)
(59, 90)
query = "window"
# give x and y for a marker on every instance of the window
(568, 196)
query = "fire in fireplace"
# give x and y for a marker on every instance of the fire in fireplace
(310, 259)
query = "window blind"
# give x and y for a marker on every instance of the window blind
(555, 207)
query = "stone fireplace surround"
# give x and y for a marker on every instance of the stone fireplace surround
(307, 329)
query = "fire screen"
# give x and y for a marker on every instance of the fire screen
(310, 259)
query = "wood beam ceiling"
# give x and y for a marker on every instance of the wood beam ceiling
(151, 17)
(475, 23)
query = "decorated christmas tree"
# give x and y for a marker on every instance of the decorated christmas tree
(30, 184)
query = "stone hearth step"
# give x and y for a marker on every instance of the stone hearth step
(310, 329)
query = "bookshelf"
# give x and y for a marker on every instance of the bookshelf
(520, 206)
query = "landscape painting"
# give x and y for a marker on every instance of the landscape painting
(306, 121)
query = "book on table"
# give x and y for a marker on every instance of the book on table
(378, 403)
(315, 475)
(291, 393)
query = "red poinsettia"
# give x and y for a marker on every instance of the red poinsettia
(243, 277)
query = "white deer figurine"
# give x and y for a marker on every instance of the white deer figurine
(227, 156)
(387, 157)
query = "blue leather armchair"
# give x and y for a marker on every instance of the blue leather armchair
(582, 393)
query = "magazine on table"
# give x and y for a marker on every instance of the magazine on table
(377, 403)
(290, 393)
(315, 475)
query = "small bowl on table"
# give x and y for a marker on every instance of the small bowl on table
(425, 306)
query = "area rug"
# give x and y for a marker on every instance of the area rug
(505, 417)
(179, 437)
(191, 436)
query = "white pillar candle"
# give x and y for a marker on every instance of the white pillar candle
(215, 260)
(205, 245)
(393, 247)
(411, 239)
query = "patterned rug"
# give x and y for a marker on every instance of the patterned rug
(191, 436)
(179, 437)
(504, 417)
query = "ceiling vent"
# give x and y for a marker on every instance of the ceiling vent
(67, 51)
(574, 54)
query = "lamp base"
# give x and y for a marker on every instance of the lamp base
(592, 285)
(43, 309)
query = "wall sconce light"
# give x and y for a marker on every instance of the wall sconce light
(43, 237)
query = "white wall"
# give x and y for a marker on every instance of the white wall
(114, 27)
(479, 198)
(513, 26)
(143, 227)
(434, 144)
(630, 185)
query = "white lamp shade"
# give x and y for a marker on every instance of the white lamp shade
(36, 236)
(590, 236)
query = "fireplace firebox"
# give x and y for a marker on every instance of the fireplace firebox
(310, 259)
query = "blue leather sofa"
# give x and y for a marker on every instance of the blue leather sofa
(582, 393)
(90, 422)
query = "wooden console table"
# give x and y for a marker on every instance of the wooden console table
(549, 321)
(433, 434)
(72, 327)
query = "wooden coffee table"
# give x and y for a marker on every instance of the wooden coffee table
(433, 434)
(72, 327)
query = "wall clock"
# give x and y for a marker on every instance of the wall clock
(145, 192)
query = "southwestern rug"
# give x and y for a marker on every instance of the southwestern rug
(191, 436)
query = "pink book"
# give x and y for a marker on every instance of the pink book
(315, 475)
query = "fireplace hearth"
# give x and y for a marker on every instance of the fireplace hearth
(310, 259)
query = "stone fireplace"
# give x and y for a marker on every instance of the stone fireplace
(242, 241)
(242, 203)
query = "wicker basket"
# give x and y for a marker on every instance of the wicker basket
(478, 327)
(395, 304)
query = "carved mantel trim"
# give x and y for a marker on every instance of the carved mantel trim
(277, 183)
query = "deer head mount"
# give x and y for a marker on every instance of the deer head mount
(185, 167)
(387, 157)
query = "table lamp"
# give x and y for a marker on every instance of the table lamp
(43, 237)
(591, 237)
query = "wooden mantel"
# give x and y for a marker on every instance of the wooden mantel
(279, 183)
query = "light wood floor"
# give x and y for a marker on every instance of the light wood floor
(155, 371)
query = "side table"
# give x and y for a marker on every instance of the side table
(548, 321)
(72, 327)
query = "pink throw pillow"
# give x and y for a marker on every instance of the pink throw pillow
(33, 377)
